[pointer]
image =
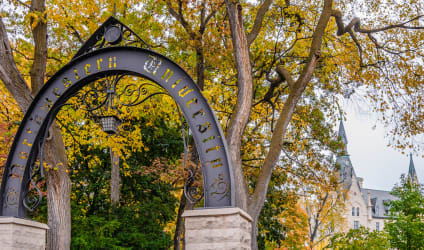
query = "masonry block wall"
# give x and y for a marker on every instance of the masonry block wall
(16, 233)
(224, 228)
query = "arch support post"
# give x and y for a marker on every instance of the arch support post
(17, 233)
(217, 228)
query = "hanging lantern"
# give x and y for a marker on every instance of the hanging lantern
(110, 124)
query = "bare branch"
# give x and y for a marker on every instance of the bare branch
(23, 4)
(206, 20)
(180, 17)
(22, 54)
(355, 23)
(76, 33)
(9, 73)
(257, 25)
(355, 26)
(403, 25)
(285, 74)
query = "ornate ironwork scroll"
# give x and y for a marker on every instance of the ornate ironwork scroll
(111, 33)
(109, 94)
(96, 61)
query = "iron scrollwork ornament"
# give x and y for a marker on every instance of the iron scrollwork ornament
(34, 197)
(111, 33)
(108, 95)
(220, 188)
(191, 189)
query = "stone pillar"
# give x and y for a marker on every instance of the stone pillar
(218, 228)
(16, 233)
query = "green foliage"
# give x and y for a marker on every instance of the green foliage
(270, 228)
(406, 224)
(133, 225)
(146, 205)
(358, 239)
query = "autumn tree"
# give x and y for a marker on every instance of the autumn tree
(259, 61)
(12, 76)
(321, 26)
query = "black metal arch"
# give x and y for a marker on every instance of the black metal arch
(207, 133)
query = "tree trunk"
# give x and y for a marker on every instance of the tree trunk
(58, 194)
(58, 181)
(114, 178)
(254, 233)
(179, 224)
(185, 204)
(253, 204)
(200, 66)
(240, 116)
(39, 33)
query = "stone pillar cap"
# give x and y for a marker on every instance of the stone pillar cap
(24, 222)
(216, 212)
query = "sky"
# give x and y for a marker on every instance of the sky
(379, 165)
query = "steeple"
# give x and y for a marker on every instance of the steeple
(343, 160)
(342, 134)
(412, 175)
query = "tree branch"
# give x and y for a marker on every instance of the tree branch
(257, 25)
(241, 113)
(76, 33)
(285, 75)
(206, 20)
(295, 94)
(23, 4)
(180, 17)
(355, 23)
(358, 28)
(9, 73)
(39, 33)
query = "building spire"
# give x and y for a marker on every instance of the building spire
(412, 175)
(342, 133)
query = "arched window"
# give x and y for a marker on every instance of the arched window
(353, 211)
(357, 211)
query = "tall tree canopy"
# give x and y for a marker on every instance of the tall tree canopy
(264, 65)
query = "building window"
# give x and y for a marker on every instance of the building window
(357, 211)
(353, 211)
(355, 224)
(377, 226)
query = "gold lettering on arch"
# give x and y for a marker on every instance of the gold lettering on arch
(112, 62)
(152, 64)
(87, 69)
(99, 67)
(184, 91)
(66, 82)
(167, 75)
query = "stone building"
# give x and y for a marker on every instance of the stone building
(364, 207)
